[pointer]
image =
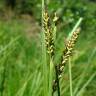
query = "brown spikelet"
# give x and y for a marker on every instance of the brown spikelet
(48, 34)
(66, 54)
(68, 50)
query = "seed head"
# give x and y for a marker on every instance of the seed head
(49, 42)
(68, 50)
(66, 54)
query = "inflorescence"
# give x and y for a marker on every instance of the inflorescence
(49, 42)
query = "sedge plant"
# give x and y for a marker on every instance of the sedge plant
(53, 72)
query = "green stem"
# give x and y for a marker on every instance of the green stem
(70, 76)
(51, 76)
(44, 61)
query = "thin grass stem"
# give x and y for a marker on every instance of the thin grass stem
(44, 61)
(70, 77)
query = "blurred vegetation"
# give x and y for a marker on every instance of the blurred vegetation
(20, 65)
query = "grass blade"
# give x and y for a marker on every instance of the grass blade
(84, 72)
(74, 29)
(70, 77)
(44, 61)
(86, 84)
(51, 77)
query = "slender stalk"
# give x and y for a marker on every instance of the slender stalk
(51, 76)
(54, 39)
(70, 76)
(44, 61)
